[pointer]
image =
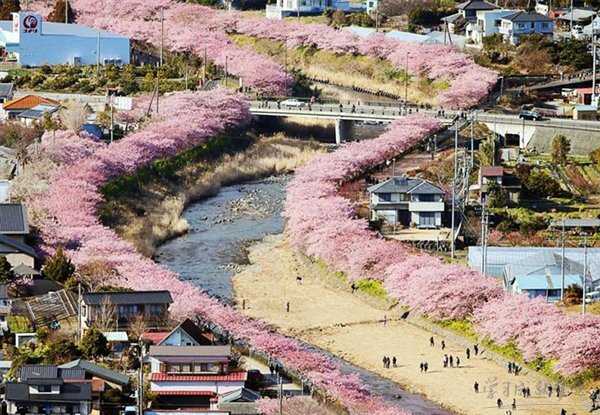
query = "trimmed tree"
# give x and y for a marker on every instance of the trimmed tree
(93, 344)
(58, 268)
(561, 146)
(6, 273)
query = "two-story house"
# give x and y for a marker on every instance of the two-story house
(187, 333)
(488, 23)
(190, 376)
(495, 176)
(514, 26)
(283, 8)
(47, 389)
(115, 310)
(408, 202)
(467, 15)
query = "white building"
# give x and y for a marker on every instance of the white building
(283, 8)
(488, 23)
(30, 41)
(519, 24)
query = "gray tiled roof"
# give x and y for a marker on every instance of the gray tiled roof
(476, 5)
(522, 16)
(38, 372)
(70, 392)
(13, 219)
(10, 246)
(6, 89)
(401, 184)
(128, 297)
(97, 371)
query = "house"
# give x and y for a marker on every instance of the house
(99, 374)
(514, 26)
(11, 110)
(239, 401)
(495, 175)
(407, 201)
(580, 16)
(467, 15)
(500, 261)
(119, 309)
(49, 389)
(187, 333)
(540, 275)
(36, 114)
(283, 8)
(488, 24)
(28, 40)
(5, 308)
(7, 92)
(190, 376)
(118, 341)
(14, 229)
(585, 112)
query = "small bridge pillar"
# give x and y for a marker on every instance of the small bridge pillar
(343, 129)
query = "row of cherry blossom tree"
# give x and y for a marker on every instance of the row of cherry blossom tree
(323, 224)
(65, 212)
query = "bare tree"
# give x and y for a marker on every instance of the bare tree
(95, 274)
(137, 327)
(106, 316)
(392, 8)
(74, 115)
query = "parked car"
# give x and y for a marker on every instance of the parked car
(530, 115)
(592, 297)
(293, 103)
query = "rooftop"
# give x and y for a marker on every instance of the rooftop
(476, 5)
(189, 327)
(28, 102)
(402, 184)
(128, 297)
(523, 16)
(209, 351)
(97, 371)
(64, 29)
(575, 223)
(6, 89)
(229, 377)
(492, 171)
(13, 219)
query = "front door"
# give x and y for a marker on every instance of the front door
(427, 219)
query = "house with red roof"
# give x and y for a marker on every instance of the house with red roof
(28, 106)
(187, 377)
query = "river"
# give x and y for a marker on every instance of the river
(220, 228)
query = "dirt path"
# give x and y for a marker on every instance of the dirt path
(342, 323)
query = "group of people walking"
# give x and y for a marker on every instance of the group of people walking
(387, 362)
(514, 369)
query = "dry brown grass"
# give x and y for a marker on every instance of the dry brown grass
(161, 218)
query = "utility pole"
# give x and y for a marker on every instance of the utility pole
(98, 54)
(226, 74)
(406, 82)
(571, 20)
(585, 271)
(112, 119)
(79, 331)
(141, 379)
(453, 236)
(562, 263)
(204, 68)
(66, 11)
(483, 225)
(280, 390)
(473, 117)
(157, 88)
(594, 65)
(162, 33)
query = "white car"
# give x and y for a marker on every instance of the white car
(293, 103)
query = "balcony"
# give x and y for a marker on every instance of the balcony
(426, 206)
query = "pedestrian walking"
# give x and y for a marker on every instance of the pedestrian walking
(451, 361)
(499, 403)
(549, 391)
(287, 307)
(476, 349)
(426, 367)
(394, 361)
(558, 391)
(384, 320)
(476, 387)
(431, 342)
(514, 404)
(524, 392)
(443, 345)
(457, 361)
(509, 367)
(384, 361)
(468, 352)
(563, 411)
(528, 392)
(445, 360)
(421, 366)
(299, 279)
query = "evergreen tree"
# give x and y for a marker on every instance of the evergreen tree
(93, 344)
(58, 12)
(6, 273)
(561, 146)
(7, 7)
(58, 268)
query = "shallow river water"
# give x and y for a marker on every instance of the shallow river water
(220, 228)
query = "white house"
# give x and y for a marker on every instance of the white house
(407, 201)
(30, 41)
(521, 23)
(467, 14)
(283, 8)
(488, 23)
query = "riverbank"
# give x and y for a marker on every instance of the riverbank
(147, 210)
(343, 324)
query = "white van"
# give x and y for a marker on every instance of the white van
(592, 297)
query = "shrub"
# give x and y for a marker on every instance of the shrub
(58, 267)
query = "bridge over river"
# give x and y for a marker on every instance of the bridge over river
(345, 114)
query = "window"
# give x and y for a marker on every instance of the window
(186, 368)
(497, 22)
(385, 197)
(427, 198)
(155, 309)
(44, 388)
(174, 369)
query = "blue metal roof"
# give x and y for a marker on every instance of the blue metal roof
(540, 281)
